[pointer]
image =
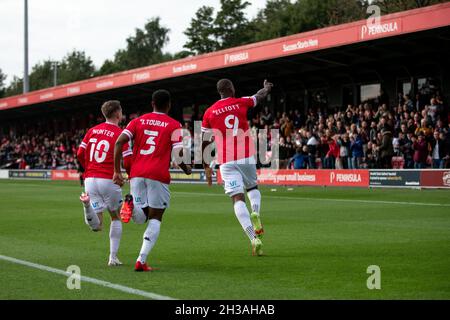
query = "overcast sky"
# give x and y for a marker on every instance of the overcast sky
(99, 27)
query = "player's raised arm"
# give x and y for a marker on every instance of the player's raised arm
(262, 94)
(118, 148)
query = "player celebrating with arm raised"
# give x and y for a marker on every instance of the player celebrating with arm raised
(154, 134)
(96, 155)
(226, 120)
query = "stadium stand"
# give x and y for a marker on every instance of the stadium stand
(346, 96)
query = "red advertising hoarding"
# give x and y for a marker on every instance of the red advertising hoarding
(65, 175)
(335, 178)
(435, 178)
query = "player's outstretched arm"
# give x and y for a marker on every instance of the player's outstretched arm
(118, 178)
(262, 94)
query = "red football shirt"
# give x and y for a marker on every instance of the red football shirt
(227, 120)
(96, 152)
(154, 135)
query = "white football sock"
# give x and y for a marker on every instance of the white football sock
(138, 215)
(255, 200)
(150, 236)
(115, 233)
(91, 218)
(242, 214)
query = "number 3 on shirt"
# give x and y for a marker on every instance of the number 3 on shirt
(150, 141)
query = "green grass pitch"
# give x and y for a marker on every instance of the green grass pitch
(318, 244)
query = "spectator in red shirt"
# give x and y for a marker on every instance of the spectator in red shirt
(420, 147)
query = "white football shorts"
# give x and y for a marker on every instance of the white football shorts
(150, 193)
(104, 194)
(238, 177)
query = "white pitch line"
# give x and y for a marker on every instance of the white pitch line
(328, 199)
(102, 283)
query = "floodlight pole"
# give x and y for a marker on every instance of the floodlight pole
(26, 80)
(55, 73)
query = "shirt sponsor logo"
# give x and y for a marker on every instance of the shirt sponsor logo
(73, 90)
(368, 31)
(184, 68)
(104, 84)
(46, 96)
(301, 45)
(141, 76)
(236, 57)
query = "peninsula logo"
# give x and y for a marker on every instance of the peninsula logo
(46, 96)
(236, 57)
(137, 77)
(73, 90)
(22, 100)
(345, 177)
(379, 29)
(184, 68)
(104, 84)
(301, 45)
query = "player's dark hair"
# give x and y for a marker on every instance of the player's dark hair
(224, 86)
(110, 107)
(161, 99)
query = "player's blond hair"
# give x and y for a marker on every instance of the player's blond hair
(110, 107)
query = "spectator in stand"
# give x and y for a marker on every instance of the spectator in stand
(300, 159)
(405, 148)
(357, 152)
(420, 147)
(408, 103)
(424, 128)
(439, 152)
(386, 149)
(373, 131)
(312, 149)
(332, 154)
(433, 110)
(344, 150)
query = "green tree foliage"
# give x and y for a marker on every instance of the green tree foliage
(283, 17)
(143, 48)
(390, 6)
(15, 87)
(2, 83)
(231, 27)
(75, 66)
(201, 33)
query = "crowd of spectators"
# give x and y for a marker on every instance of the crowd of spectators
(413, 134)
(43, 151)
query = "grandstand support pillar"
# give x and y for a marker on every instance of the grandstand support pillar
(26, 81)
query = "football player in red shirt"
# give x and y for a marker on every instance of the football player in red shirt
(96, 156)
(154, 135)
(226, 121)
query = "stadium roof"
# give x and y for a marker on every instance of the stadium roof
(136, 81)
